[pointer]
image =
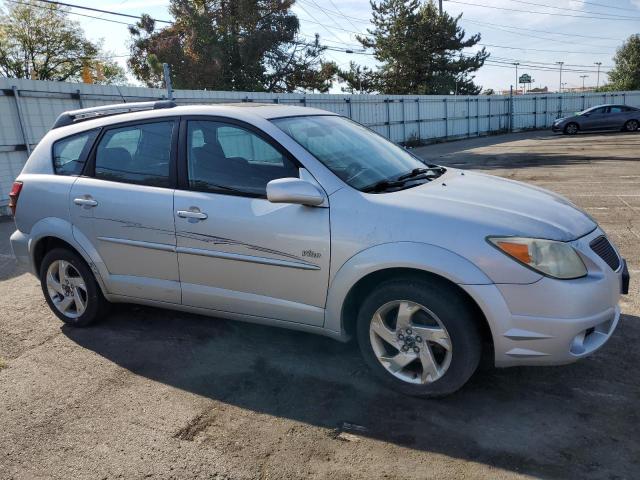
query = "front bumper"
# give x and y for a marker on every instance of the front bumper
(554, 322)
(557, 128)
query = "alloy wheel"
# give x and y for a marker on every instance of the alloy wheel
(572, 129)
(632, 125)
(67, 289)
(410, 342)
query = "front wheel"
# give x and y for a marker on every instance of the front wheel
(420, 337)
(70, 288)
(571, 129)
(631, 126)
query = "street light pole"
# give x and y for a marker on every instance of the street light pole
(560, 63)
(598, 81)
(516, 65)
(583, 77)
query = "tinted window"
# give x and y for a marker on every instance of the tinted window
(617, 110)
(70, 154)
(598, 111)
(136, 154)
(226, 158)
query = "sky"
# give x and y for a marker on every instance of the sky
(535, 33)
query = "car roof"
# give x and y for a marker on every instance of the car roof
(250, 112)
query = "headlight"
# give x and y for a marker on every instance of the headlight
(555, 259)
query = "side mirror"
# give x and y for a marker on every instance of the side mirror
(294, 190)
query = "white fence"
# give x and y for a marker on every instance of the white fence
(29, 107)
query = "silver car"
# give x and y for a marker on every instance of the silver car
(303, 219)
(601, 117)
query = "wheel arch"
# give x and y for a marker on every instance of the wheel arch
(52, 233)
(398, 260)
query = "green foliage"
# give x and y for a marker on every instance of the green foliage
(41, 42)
(488, 91)
(358, 79)
(626, 72)
(421, 50)
(250, 45)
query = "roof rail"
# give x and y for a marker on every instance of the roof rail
(75, 116)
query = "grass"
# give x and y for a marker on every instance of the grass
(3, 363)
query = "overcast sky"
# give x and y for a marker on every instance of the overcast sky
(563, 34)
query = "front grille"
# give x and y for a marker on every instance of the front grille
(606, 252)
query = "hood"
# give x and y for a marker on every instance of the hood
(497, 206)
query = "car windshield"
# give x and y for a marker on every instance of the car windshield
(360, 157)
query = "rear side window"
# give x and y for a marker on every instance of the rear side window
(138, 154)
(70, 154)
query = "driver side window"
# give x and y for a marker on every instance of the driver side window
(225, 158)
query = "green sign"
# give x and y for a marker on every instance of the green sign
(525, 78)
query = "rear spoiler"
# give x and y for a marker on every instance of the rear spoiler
(76, 116)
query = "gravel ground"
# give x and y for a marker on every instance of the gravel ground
(157, 394)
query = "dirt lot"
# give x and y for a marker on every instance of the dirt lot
(158, 394)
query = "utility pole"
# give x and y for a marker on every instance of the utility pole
(516, 64)
(560, 63)
(598, 81)
(440, 4)
(583, 77)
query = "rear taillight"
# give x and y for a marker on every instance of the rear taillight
(13, 196)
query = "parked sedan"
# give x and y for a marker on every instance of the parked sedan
(601, 117)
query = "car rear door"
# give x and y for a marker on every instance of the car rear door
(238, 252)
(123, 206)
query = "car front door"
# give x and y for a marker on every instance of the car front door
(596, 119)
(239, 253)
(123, 207)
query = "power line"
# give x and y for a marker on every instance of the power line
(99, 10)
(539, 49)
(326, 27)
(605, 5)
(540, 31)
(348, 17)
(70, 13)
(546, 5)
(521, 34)
(342, 14)
(540, 13)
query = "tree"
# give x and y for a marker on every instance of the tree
(41, 42)
(421, 50)
(626, 71)
(250, 45)
(358, 79)
(488, 91)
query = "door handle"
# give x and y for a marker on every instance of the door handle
(192, 214)
(85, 202)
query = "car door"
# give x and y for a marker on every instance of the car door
(239, 253)
(617, 117)
(596, 119)
(123, 206)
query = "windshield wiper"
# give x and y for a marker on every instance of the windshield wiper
(383, 185)
(420, 171)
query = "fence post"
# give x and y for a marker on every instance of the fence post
(511, 119)
(404, 125)
(388, 102)
(16, 94)
(468, 117)
(419, 121)
(489, 108)
(477, 116)
(348, 100)
(80, 98)
(446, 119)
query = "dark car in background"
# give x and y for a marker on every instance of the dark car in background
(601, 117)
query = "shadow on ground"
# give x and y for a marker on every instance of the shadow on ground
(551, 422)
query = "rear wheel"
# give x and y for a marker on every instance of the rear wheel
(571, 129)
(70, 288)
(419, 337)
(631, 126)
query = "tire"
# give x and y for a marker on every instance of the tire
(631, 126)
(571, 128)
(439, 312)
(75, 296)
